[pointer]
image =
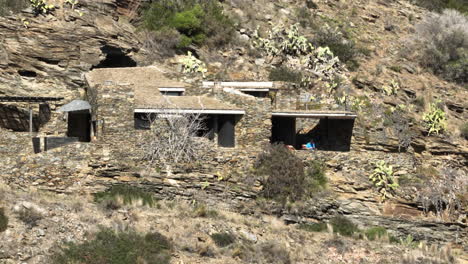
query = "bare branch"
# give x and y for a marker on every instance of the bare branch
(175, 137)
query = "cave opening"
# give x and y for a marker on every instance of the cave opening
(26, 73)
(115, 58)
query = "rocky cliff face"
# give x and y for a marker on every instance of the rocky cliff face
(47, 55)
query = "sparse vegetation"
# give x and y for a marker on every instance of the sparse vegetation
(198, 22)
(375, 233)
(30, 216)
(435, 120)
(274, 253)
(285, 177)
(343, 226)
(316, 176)
(298, 54)
(41, 6)
(340, 43)
(440, 5)
(192, 65)
(445, 195)
(442, 42)
(3, 220)
(120, 195)
(313, 227)
(464, 130)
(399, 121)
(174, 139)
(266, 252)
(281, 173)
(223, 239)
(9, 7)
(203, 211)
(392, 88)
(108, 246)
(284, 74)
(382, 178)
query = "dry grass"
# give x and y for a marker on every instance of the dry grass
(256, 238)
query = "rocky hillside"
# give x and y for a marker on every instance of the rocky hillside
(380, 78)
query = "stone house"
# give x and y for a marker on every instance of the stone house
(241, 115)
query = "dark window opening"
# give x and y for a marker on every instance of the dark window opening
(25, 73)
(207, 126)
(171, 93)
(260, 94)
(226, 131)
(142, 121)
(79, 125)
(327, 134)
(115, 58)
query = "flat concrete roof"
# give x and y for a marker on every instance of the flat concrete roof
(189, 111)
(240, 85)
(171, 89)
(315, 114)
(183, 103)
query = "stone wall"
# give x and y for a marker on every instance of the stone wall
(254, 128)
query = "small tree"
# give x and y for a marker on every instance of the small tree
(174, 137)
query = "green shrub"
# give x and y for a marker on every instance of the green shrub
(284, 74)
(464, 130)
(343, 226)
(281, 173)
(340, 43)
(197, 21)
(440, 5)
(316, 176)
(8, 7)
(124, 195)
(203, 211)
(3, 220)
(285, 177)
(313, 227)
(29, 216)
(374, 233)
(117, 248)
(441, 42)
(223, 239)
(273, 252)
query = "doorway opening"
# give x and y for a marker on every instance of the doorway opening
(330, 134)
(79, 125)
